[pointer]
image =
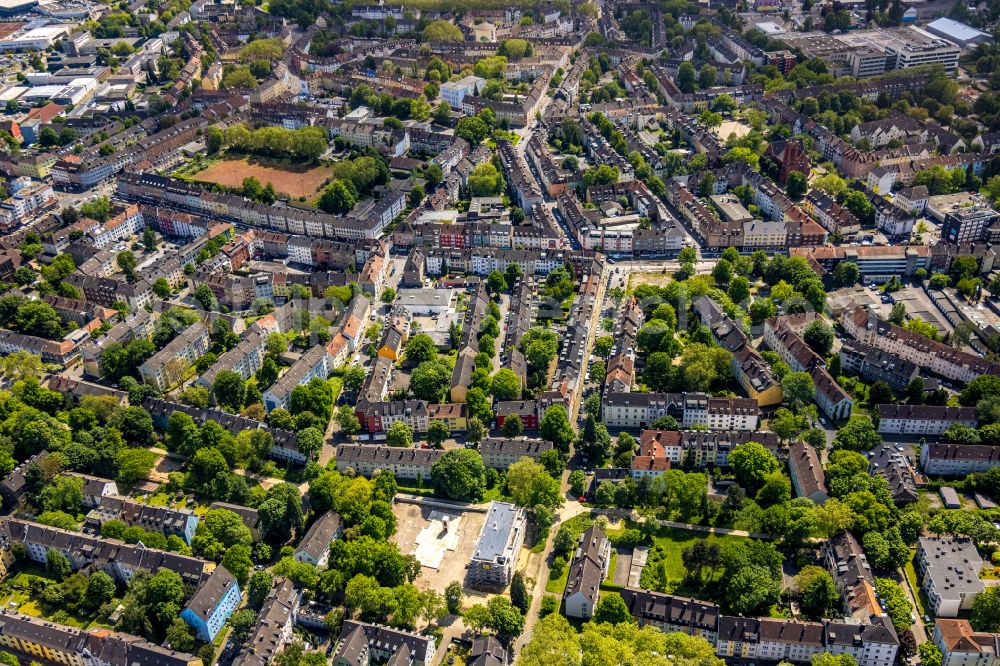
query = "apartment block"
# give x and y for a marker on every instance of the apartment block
(498, 547)
(949, 573)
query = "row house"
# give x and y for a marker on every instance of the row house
(164, 520)
(404, 463)
(889, 217)
(283, 446)
(366, 221)
(502, 452)
(639, 410)
(699, 448)
(61, 644)
(122, 561)
(245, 358)
(749, 368)
(587, 571)
(554, 181)
(107, 291)
(835, 218)
(273, 628)
(377, 417)
(923, 420)
(60, 352)
(525, 410)
(673, 614)
(895, 468)
(874, 365)
(521, 180)
(806, 472)
(960, 645)
(781, 337)
(937, 357)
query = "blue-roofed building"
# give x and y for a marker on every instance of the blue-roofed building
(957, 33)
(500, 541)
(212, 604)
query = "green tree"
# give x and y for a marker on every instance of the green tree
(229, 389)
(897, 606)
(686, 77)
(929, 653)
(100, 590)
(555, 427)
(419, 349)
(460, 474)
(751, 463)
(797, 388)
(56, 565)
(505, 385)
(986, 610)
(347, 420)
(399, 434)
(816, 592)
(819, 336)
(796, 185)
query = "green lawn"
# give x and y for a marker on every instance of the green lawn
(23, 601)
(911, 575)
(672, 541)
(557, 585)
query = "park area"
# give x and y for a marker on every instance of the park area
(291, 180)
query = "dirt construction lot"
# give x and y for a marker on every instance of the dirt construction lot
(443, 549)
(294, 181)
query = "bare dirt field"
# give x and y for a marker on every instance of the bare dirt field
(443, 550)
(727, 128)
(294, 181)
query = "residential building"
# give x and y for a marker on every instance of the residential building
(699, 448)
(587, 571)
(212, 604)
(454, 92)
(949, 573)
(923, 420)
(502, 452)
(164, 520)
(61, 644)
(120, 560)
(671, 614)
(639, 410)
(871, 642)
(498, 547)
(363, 644)
(95, 489)
(958, 459)
(312, 364)
(249, 516)
(960, 645)
(273, 629)
(807, 472)
(895, 468)
(167, 367)
(847, 562)
(367, 459)
(948, 362)
(875, 365)
(314, 548)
